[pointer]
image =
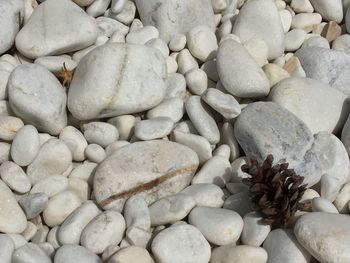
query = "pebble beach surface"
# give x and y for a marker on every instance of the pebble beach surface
(124, 125)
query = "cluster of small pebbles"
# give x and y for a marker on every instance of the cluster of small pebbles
(137, 158)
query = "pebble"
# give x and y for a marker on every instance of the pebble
(239, 254)
(197, 81)
(248, 25)
(55, 63)
(50, 32)
(100, 133)
(316, 41)
(12, 218)
(275, 73)
(286, 19)
(30, 253)
(320, 204)
(219, 226)
(95, 153)
(228, 137)
(33, 204)
(14, 177)
(324, 235)
(306, 20)
(51, 185)
(117, 6)
(31, 88)
(202, 42)
(142, 35)
(331, 31)
(342, 199)
(180, 243)
(171, 209)
(254, 231)
(327, 112)
(131, 254)
(25, 145)
(330, 11)
(54, 158)
(40, 235)
(202, 119)
(80, 187)
(217, 170)
(52, 237)
(342, 43)
(239, 203)
(177, 43)
(154, 128)
(75, 253)
(18, 240)
(30, 231)
(75, 141)
(327, 65)
(181, 16)
(60, 207)
(172, 108)
(105, 229)
(302, 6)
(125, 125)
(186, 61)
(107, 61)
(294, 39)
(243, 79)
(158, 44)
(110, 149)
(223, 103)
(6, 248)
(282, 246)
(9, 126)
(209, 195)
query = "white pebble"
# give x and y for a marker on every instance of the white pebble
(95, 153)
(197, 81)
(100, 133)
(202, 43)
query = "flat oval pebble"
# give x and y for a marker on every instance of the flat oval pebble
(15, 177)
(326, 236)
(180, 243)
(154, 128)
(75, 141)
(238, 71)
(25, 145)
(100, 133)
(239, 254)
(170, 209)
(159, 168)
(32, 88)
(105, 229)
(6, 248)
(12, 218)
(140, 86)
(30, 253)
(55, 27)
(219, 226)
(172, 108)
(74, 254)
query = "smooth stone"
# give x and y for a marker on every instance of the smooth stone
(180, 243)
(236, 187)
(325, 235)
(11, 14)
(153, 176)
(223, 151)
(159, 44)
(6, 248)
(18, 240)
(98, 7)
(242, 79)
(342, 43)
(70, 231)
(286, 19)
(275, 73)
(342, 199)
(176, 86)
(12, 218)
(282, 246)
(50, 186)
(131, 254)
(105, 229)
(223, 103)
(30, 253)
(95, 153)
(80, 187)
(110, 149)
(100, 133)
(125, 125)
(181, 16)
(177, 43)
(142, 35)
(15, 178)
(209, 195)
(40, 235)
(5, 108)
(202, 42)
(172, 108)
(238, 254)
(328, 110)
(54, 158)
(202, 119)
(30, 231)
(55, 27)
(75, 141)
(316, 41)
(84, 171)
(52, 237)
(197, 143)
(60, 207)
(228, 138)
(306, 20)
(219, 226)
(107, 26)
(108, 62)
(83, 2)
(171, 209)
(330, 11)
(248, 25)
(56, 63)
(186, 62)
(9, 126)
(74, 254)
(302, 6)
(294, 39)
(254, 231)
(25, 146)
(327, 65)
(33, 204)
(48, 248)
(32, 88)
(320, 204)
(154, 128)
(217, 170)
(239, 203)
(117, 6)
(197, 81)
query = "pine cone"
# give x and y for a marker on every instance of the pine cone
(275, 189)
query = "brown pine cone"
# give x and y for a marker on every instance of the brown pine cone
(275, 189)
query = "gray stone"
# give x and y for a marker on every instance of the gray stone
(56, 27)
(74, 254)
(326, 236)
(30, 253)
(342, 43)
(6, 248)
(239, 73)
(33, 204)
(95, 153)
(15, 177)
(181, 16)
(320, 204)
(239, 203)
(249, 24)
(140, 86)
